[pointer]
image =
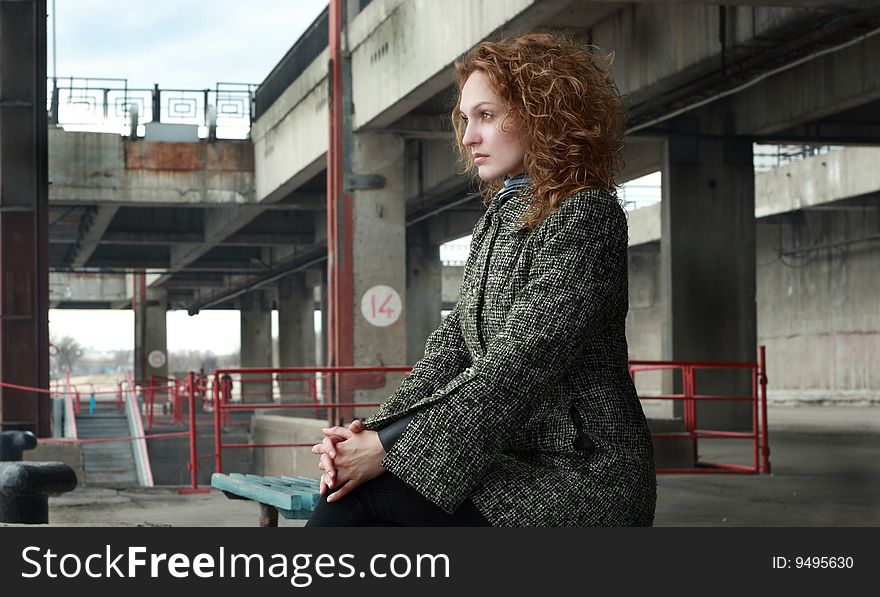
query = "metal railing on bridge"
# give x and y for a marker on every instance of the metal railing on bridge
(109, 105)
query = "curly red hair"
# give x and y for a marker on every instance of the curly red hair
(569, 110)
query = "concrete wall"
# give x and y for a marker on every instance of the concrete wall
(275, 429)
(818, 312)
(69, 454)
(644, 323)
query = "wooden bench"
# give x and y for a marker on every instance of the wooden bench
(293, 497)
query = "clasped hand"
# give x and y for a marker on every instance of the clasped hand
(349, 456)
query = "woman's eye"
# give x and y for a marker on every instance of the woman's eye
(486, 114)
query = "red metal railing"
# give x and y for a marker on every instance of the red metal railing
(758, 434)
(331, 389)
(344, 379)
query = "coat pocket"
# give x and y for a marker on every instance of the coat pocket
(582, 441)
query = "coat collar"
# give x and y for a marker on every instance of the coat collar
(511, 204)
(512, 211)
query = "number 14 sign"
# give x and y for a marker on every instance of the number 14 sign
(381, 306)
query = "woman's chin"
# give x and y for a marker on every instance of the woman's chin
(487, 175)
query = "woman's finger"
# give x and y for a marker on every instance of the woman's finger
(340, 493)
(341, 432)
(327, 465)
(328, 446)
(323, 485)
(356, 426)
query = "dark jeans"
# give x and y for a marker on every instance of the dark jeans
(388, 501)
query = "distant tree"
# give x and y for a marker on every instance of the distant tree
(64, 355)
(122, 360)
(179, 362)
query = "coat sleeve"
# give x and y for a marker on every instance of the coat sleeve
(446, 356)
(449, 447)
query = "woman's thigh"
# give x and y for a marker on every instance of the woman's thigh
(388, 501)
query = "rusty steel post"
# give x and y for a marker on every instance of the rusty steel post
(24, 207)
(340, 227)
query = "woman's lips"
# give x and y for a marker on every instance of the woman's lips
(480, 159)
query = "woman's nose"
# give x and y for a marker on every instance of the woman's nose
(470, 136)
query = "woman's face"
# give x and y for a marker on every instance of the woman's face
(496, 152)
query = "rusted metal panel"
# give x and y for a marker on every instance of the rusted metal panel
(217, 156)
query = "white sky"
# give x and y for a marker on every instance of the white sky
(190, 44)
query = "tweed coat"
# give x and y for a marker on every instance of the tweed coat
(523, 399)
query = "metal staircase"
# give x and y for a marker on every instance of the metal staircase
(107, 463)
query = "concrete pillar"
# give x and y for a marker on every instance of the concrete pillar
(379, 259)
(707, 262)
(424, 275)
(151, 336)
(296, 336)
(256, 344)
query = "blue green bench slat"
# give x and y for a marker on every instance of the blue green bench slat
(293, 497)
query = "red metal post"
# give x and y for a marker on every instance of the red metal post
(756, 430)
(765, 449)
(340, 271)
(193, 439)
(690, 406)
(218, 457)
(151, 399)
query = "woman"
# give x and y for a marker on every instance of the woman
(522, 411)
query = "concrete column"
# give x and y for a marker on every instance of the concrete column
(296, 336)
(151, 336)
(424, 275)
(256, 344)
(707, 262)
(379, 249)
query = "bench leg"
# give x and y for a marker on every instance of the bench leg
(268, 516)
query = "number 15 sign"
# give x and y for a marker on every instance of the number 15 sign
(381, 306)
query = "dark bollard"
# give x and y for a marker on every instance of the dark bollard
(25, 488)
(13, 443)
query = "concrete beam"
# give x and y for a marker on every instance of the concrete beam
(399, 61)
(818, 180)
(644, 225)
(94, 235)
(89, 168)
(269, 239)
(828, 84)
(452, 224)
(128, 237)
(423, 126)
(811, 183)
(219, 224)
(642, 156)
(87, 288)
(392, 73)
